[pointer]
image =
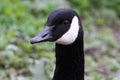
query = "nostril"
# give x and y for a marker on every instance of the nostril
(44, 35)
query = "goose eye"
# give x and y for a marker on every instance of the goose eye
(66, 22)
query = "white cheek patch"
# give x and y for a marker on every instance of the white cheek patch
(70, 36)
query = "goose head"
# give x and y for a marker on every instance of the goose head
(62, 27)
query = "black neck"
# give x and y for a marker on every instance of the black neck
(69, 62)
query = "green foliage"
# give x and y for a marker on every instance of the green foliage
(22, 19)
(114, 4)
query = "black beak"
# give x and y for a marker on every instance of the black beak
(45, 35)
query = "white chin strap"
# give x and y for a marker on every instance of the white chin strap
(70, 36)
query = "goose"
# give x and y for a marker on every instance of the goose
(64, 27)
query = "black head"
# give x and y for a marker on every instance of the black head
(62, 27)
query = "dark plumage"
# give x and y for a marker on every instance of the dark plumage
(64, 27)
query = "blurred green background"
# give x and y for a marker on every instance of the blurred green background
(20, 20)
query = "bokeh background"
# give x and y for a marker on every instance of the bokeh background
(20, 20)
